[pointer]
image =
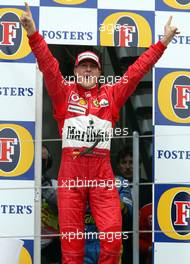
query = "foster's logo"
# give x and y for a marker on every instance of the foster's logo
(178, 4)
(181, 213)
(16, 150)
(9, 150)
(25, 257)
(125, 29)
(70, 2)
(174, 97)
(173, 213)
(13, 39)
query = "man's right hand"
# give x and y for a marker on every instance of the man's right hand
(27, 21)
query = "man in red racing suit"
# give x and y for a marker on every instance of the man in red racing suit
(84, 112)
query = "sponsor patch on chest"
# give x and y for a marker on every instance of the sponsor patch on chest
(76, 109)
(75, 99)
(101, 101)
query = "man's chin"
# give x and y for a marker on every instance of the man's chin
(88, 86)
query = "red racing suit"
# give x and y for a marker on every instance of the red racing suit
(82, 115)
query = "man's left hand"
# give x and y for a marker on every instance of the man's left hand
(169, 32)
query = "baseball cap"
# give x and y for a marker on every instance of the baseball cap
(87, 55)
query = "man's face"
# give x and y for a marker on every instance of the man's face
(87, 73)
(126, 167)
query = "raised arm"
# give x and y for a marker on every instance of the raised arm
(126, 86)
(47, 63)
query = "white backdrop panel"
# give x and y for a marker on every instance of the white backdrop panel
(17, 208)
(17, 91)
(127, 4)
(74, 26)
(172, 154)
(19, 2)
(177, 54)
(174, 253)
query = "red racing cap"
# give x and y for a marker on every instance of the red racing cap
(87, 55)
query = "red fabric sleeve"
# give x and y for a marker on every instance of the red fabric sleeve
(126, 86)
(56, 86)
(49, 66)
